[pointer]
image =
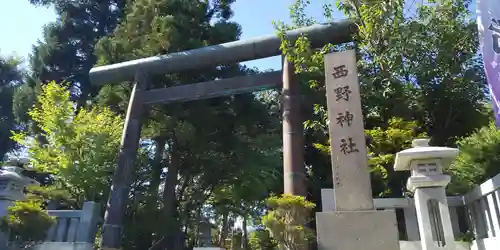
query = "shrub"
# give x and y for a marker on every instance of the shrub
(261, 239)
(286, 221)
(478, 160)
(26, 222)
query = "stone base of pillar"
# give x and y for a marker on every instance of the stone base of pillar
(374, 230)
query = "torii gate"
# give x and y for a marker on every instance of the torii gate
(140, 71)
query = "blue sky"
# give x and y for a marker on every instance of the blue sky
(22, 25)
(23, 22)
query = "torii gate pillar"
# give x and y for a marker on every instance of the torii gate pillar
(294, 175)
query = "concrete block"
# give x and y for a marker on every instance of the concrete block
(417, 245)
(356, 230)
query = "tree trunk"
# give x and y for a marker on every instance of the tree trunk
(197, 226)
(170, 199)
(179, 239)
(186, 231)
(224, 229)
(185, 220)
(245, 232)
(152, 202)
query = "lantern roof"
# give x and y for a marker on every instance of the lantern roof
(422, 151)
(15, 173)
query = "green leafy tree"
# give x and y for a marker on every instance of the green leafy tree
(259, 175)
(383, 145)
(478, 160)
(81, 149)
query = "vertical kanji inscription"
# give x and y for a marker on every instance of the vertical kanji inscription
(348, 146)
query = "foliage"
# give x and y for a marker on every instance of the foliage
(466, 237)
(286, 221)
(81, 148)
(23, 100)
(261, 239)
(27, 222)
(478, 160)
(383, 145)
(66, 51)
(11, 76)
(51, 193)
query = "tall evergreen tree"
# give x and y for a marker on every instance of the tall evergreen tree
(66, 51)
(11, 76)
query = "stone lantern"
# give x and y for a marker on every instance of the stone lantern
(428, 183)
(12, 184)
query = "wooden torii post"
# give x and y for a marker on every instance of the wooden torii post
(140, 71)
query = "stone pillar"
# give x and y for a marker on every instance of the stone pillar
(354, 224)
(428, 183)
(88, 225)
